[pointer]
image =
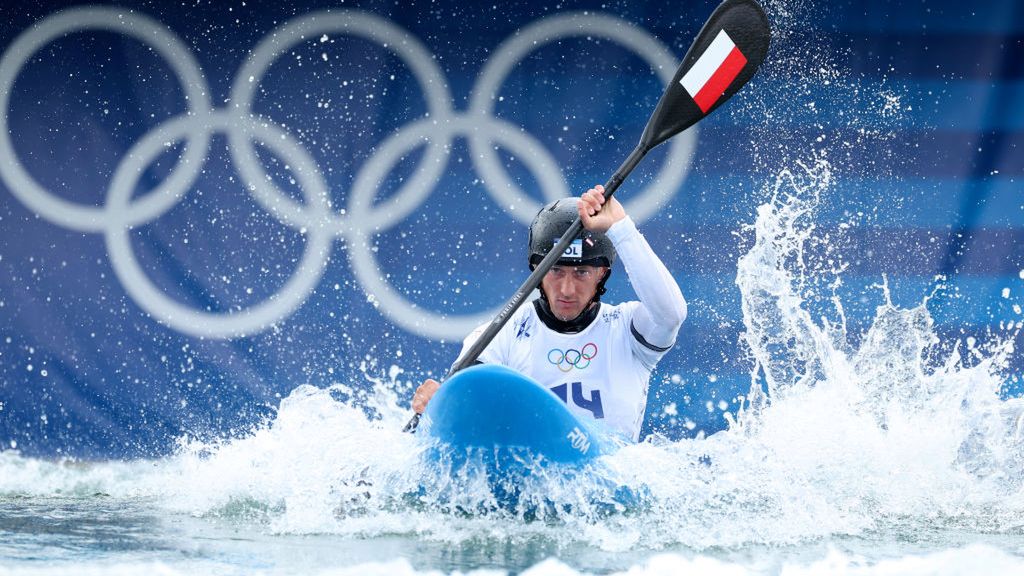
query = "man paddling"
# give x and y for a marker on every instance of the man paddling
(596, 357)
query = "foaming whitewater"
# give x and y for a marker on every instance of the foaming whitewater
(842, 433)
(887, 432)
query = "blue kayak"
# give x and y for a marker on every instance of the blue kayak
(497, 409)
(491, 426)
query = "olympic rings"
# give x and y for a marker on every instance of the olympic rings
(314, 218)
(573, 358)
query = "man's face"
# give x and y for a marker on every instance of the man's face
(570, 288)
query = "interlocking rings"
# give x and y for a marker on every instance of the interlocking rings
(314, 218)
(573, 358)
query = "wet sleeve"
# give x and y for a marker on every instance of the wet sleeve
(662, 307)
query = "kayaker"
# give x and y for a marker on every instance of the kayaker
(595, 356)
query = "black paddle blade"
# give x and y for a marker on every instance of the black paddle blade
(724, 56)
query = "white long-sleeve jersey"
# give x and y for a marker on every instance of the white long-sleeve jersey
(603, 371)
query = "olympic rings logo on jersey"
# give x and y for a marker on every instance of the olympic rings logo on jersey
(315, 219)
(572, 358)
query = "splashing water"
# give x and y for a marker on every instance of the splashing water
(887, 432)
(884, 433)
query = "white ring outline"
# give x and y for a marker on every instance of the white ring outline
(677, 164)
(354, 23)
(189, 320)
(144, 29)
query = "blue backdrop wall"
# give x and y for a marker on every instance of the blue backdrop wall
(206, 204)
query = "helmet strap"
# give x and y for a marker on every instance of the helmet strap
(600, 286)
(577, 324)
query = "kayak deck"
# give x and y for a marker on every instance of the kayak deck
(493, 407)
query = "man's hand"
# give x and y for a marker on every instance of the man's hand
(595, 215)
(423, 395)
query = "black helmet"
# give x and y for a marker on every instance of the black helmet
(589, 248)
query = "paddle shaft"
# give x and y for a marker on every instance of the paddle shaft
(534, 280)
